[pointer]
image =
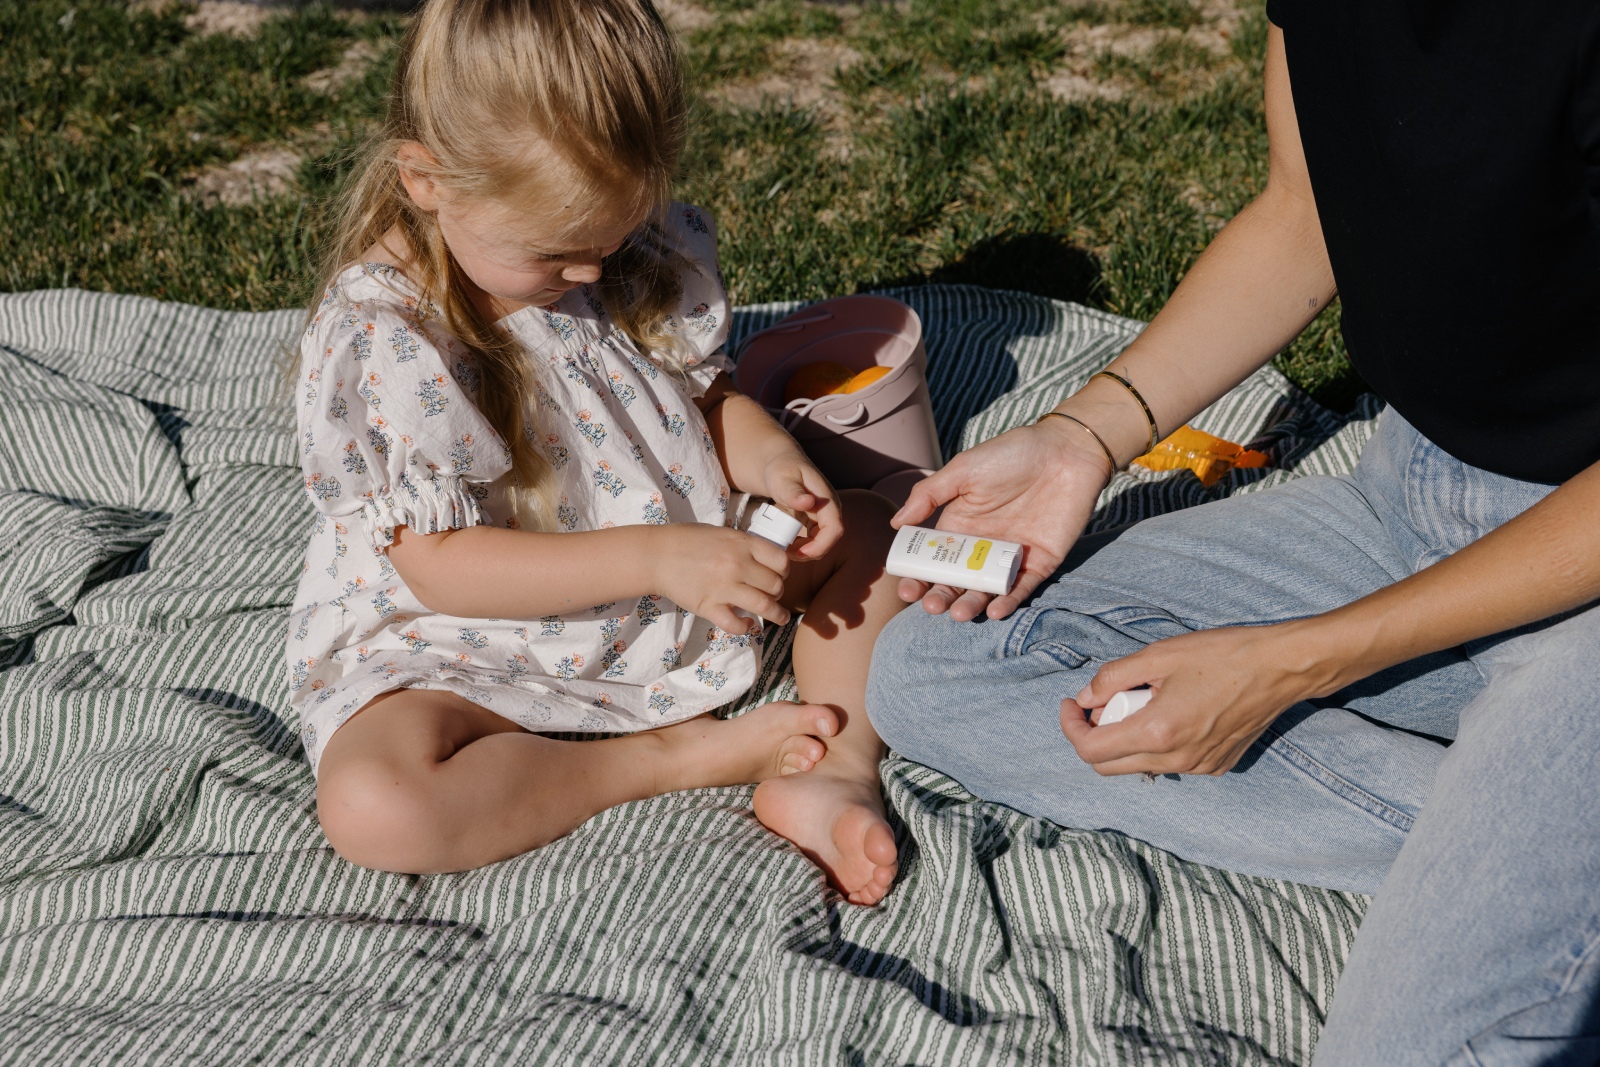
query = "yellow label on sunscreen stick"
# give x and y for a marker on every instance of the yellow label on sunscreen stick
(980, 552)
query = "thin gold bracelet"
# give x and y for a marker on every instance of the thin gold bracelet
(1109, 457)
(1155, 438)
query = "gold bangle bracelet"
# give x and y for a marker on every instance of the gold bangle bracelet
(1090, 430)
(1155, 438)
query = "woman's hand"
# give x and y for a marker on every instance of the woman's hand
(710, 570)
(1035, 484)
(1215, 692)
(792, 482)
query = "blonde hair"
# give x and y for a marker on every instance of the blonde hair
(597, 81)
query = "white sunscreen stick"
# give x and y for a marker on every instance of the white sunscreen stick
(770, 524)
(962, 560)
(1121, 705)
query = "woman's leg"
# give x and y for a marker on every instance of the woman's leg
(423, 781)
(1325, 797)
(835, 813)
(1484, 946)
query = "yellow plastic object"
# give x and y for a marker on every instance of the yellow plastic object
(866, 378)
(1209, 457)
(815, 380)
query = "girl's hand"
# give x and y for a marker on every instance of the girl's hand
(1216, 691)
(711, 570)
(792, 482)
(759, 457)
(1035, 484)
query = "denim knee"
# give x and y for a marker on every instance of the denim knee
(932, 677)
(894, 704)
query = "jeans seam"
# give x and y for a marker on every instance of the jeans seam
(1015, 643)
(1589, 951)
(1339, 786)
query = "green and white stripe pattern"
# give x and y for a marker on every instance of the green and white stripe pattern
(166, 896)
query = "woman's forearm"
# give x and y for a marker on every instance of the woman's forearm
(1257, 285)
(1543, 562)
(484, 572)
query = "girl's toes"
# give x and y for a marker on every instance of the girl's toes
(878, 846)
(800, 753)
(826, 720)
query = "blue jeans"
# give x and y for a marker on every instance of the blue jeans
(1466, 783)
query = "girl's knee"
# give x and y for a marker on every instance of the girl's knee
(866, 519)
(375, 816)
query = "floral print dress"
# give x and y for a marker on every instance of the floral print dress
(390, 435)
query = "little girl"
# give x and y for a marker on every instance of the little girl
(518, 430)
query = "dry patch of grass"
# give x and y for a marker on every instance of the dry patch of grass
(211, 16)
(254, 176)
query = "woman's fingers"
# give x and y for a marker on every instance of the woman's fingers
(929, 494)
(963, 605)
(1129, 672)
(1130, 747)
(1217, 691)
(911, 590)
(938, 599)
(969, 605)
(1027, 582)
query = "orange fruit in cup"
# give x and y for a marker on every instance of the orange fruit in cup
(826, 378)
(865, 378)
(816, 380)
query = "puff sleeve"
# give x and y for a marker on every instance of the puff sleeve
(702, 318)
(388, 424)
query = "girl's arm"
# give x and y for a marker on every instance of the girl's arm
(1218, 689)
(758, 457)
(485, 572)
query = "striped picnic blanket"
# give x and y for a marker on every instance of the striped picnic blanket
(166, 896)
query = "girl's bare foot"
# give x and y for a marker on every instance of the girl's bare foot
(835, 815)
(767, 741)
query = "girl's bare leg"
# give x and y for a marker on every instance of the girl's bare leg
(835, 812)
(424, 781)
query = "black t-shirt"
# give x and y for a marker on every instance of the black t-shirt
(1454, 150)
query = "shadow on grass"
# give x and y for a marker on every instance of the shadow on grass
(1039, 263)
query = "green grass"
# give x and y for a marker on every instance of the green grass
(106, 114)
(938, 155)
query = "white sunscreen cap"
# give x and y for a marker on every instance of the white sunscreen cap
(1123, 704)
(775, 526)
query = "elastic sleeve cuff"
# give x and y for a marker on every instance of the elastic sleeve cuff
(699, 377)
(443, 502)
